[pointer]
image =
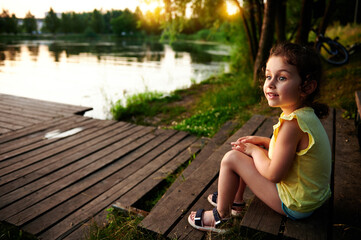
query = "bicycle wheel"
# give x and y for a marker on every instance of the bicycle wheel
(332, 51)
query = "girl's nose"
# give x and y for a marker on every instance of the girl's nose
(270, 83)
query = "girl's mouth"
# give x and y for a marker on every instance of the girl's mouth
(272, 95)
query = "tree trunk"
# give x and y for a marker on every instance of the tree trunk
(305, 22)
(326, 17)
(253, 26)
(266, 39)
(260, 9)
(248, 32)
(281, 20)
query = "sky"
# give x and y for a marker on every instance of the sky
(39, 7)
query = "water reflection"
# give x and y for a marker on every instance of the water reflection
(97, 73)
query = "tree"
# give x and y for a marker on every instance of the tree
(305, 22)
(8, 24)
(29, 23)
(125, 23)
(97, 22)
(52, 22)
(65, 23)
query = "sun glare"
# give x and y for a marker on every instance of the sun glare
(149, 6)
(232, 9)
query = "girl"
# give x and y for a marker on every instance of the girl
(290, 172)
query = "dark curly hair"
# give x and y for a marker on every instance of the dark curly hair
(309, 67)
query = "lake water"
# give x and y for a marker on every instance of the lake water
(94, 74)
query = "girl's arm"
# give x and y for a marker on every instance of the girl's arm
(288, 139)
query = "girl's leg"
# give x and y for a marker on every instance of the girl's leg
(239, 195)
(236, 168)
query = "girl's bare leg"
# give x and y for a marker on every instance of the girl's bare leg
(236, 167)
(239, 195)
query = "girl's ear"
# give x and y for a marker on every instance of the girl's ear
(309, 87)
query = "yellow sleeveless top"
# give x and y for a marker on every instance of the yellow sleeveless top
(307, 184)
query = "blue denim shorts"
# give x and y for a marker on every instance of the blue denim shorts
(294, 215)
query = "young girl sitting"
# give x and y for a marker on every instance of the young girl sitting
(291, 171)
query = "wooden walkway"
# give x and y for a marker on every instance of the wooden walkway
(18, 112)
(58, 170)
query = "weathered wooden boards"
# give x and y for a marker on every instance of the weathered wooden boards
(57, 174)
(18, 112)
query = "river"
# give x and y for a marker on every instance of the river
(97, 73)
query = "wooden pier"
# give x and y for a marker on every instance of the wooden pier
(59, 169)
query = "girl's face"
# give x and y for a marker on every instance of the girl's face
(282, 86)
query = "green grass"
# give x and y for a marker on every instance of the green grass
(11, 232)
(144, 104)
(120, 225)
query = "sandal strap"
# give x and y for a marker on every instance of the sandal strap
(217, 217)
(239, 204)
(215, 197)
(198, 218)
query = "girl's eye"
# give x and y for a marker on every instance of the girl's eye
(268, 77)
(282, 78)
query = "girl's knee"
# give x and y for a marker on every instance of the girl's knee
(231, 157)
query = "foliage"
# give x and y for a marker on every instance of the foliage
(125, 23)
(147, 103)
(8, 24)
(206, 123)
(51, 22)
(97, 22)
(227, 101)
(121, 225)
(11, 232)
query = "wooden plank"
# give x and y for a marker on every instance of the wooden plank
(34, 128)
(75, 183)
(17, 120)
(161, 221)
(121, 168)
(47, 104)
(60, 106)
(30, 164)
(131, 197)
(30, 110)
(107, 198)
(347, 175)
(260, 217)
(69, 157)
(9, 125)
(30, 141)
(28, 113)
(312, 228)
(19, 157)
(75, 203)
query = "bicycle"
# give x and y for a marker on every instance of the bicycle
(331, 50)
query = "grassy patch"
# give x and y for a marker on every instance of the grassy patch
(11, 232)
(142, 105)
(120, 225)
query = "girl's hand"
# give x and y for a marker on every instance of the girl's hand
(246, 148)
(256, 140)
